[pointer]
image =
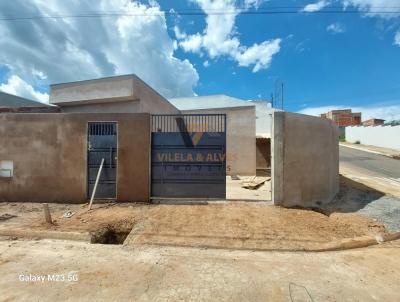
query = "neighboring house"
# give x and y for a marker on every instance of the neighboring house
(17, 104)
(119, 94)
(344, 117)
(373, 122)
(241, 127)
(57, 156)
(129, 94)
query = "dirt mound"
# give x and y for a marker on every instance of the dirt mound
(246, 226)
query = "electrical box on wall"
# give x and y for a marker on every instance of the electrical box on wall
(6, 168)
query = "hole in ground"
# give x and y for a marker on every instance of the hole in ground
(109, 235)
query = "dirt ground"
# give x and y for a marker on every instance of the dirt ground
(30, 216)
(212, 252)
(232, 225)
(247, 226)
(94, 272)
(224, 224)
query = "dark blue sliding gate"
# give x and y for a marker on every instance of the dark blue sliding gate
(188, 156)
(102, 143)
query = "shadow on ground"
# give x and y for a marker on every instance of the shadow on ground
(352, 197)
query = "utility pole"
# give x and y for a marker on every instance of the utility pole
(272, 100)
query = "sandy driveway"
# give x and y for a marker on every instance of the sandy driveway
(232, 225)
(247, 226)
(115, 273)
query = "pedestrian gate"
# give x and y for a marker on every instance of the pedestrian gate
(188, 156)
(102, 143)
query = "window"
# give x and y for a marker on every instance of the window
(6, 168)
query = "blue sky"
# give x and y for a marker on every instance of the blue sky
(325, 61)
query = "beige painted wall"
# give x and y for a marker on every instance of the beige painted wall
(305, 160)
(117, 88)
(49, 152)
(110, 95)
(240, 139)
(151, 101)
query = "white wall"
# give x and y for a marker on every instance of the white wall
(381, 136)
(264, 114)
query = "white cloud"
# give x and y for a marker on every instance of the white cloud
(178, 33)
(314, 7)
(389, 112)
(336, 28)
(220, 37)
(252, 3)
(71, 49)
(260, 54)
(375, 7)
(206, 63)
(397, 38)
(15, 85)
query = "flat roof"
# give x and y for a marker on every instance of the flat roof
(209, 102)
(82, 82)
(14, 101)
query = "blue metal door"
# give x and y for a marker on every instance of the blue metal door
(188, 156)
(102, 143)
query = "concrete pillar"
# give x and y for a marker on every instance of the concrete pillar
(277, 150)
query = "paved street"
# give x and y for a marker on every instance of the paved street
(376, 171)
(374, 164)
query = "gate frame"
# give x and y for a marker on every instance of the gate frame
(150, 157)
(87, 159)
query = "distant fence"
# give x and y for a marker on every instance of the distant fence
(381, 136)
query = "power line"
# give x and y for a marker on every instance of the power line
(197, 12)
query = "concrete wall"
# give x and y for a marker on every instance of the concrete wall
(381, 136)
(99, 90)
(49, 152)
(47, 109)
(151, 101)
(240, 140)
(110, 95)
(305, 165)
(132, 106)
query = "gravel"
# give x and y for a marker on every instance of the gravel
(385, 210)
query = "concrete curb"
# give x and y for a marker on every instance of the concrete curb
(371, 151)
(345, 244)
(177, 201)
(357, 242)
(44, 234)
(342, 245)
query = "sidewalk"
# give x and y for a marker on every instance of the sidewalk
(373, 149)
(115, 273)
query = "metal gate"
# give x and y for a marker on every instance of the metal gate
(188, 156)
(102, 143)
